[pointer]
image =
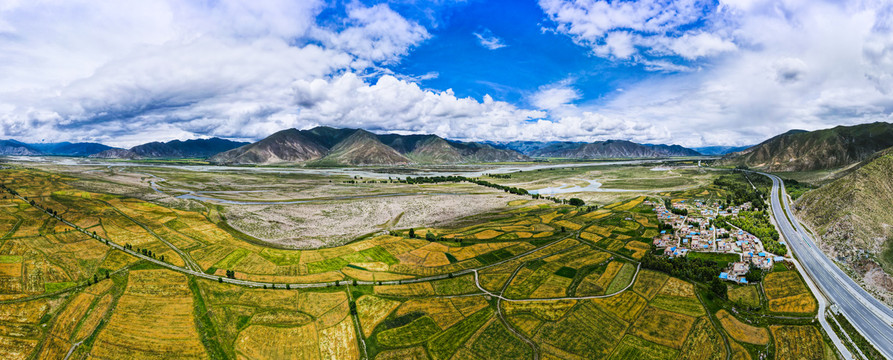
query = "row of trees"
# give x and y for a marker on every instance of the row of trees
(454, 178)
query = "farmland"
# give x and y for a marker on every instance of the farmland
(520, 278)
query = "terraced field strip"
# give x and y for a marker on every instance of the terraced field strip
(498, 296)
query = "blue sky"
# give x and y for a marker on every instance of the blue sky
(689, 72)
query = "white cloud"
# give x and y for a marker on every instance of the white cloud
(488, 40)
(555, 96)
(630, 30)
(124, 73)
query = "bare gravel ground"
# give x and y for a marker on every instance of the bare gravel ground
(338, 222)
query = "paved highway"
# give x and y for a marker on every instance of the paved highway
(869, 316)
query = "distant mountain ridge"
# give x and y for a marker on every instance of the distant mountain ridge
(800, 150)
(609, 149)
(333, 146)
(195, 148)
(13, 147)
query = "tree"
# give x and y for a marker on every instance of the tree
(412, 233)
(220, 280)
(287, 287)
(95, 278)
(576, 202)
(162, 257)
(106, 274)
(430, 236)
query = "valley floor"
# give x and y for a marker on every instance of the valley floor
(439, 271)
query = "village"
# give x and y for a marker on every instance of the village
(689, 226)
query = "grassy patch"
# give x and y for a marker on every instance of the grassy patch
(567, 272)
(10, 259)
(496, 342)
(622, 279)
(52, 287)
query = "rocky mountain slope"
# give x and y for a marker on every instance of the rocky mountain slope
(115, 153)
(331, 146)
(853, 216)
(799, 150)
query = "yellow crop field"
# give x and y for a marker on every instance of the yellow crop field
(741, 331)
(626, 305)
(547, 218)
(663, 327)
(266, 342)
(28, 312)
(339, 341)
(797, 342)
(440, 310)
(803, 303)
(590, 236)
(94, 317)
(487, 234)
(468, 305)
(629, 204)
(676, 287)
(415, 289)
(64, 326)
(738, 351)
(783, 284)
(639, 248)
(372, 310)
(568, 224)
(544, 310)
(152, 297)
(788, 293)
(554, 286)
(648, 283)
(609, 274)
(704, 343)
(14, 348)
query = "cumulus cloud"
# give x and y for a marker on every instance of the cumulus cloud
(488, 40)
(554, 96)
(160, 70)
(633, 29)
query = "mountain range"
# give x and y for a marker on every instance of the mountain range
(800, 150)
(331, 146)
(175, 149)
(609, 149)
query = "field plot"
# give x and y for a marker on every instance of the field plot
(798, 342)
(496, 342)
(152, 297)
(81, 314)
(663, 327)
(741, 331)
(746, 295)
(587, 331)
(20, 326)
(634, 348)
(787, 293)
(704, 343)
